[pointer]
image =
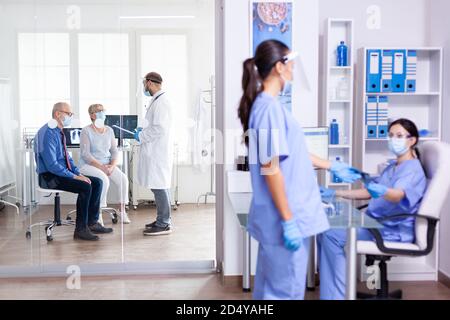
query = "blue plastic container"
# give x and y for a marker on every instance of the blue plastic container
(335, 179)
(334, 132)
(342, 55)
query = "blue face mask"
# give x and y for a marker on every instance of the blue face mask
(287, 88)
(67, 121)
(398, 146)
(101, 115)
(147, 93)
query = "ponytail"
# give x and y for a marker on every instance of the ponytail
(416, 150)
(256, 70)
(251, 85)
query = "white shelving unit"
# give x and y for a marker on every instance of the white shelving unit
(424, 107)
(334, 106)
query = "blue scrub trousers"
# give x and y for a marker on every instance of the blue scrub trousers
(280, 273)
(332, 261)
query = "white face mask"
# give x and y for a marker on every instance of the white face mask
(99, 123)
(398, 146)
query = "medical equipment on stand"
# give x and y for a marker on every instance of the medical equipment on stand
(28, 172)
(139, 194)
(7, 155)
(211, 91)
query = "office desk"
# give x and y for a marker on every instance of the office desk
(346, 216)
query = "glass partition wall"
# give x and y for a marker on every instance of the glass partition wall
(78, 58)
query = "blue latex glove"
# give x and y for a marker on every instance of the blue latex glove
(136, 133)
(377, 190)
(344, 172)
(327, 193)
(291, 235)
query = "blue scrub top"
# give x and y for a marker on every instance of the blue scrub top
(410, 177)
(275, 133)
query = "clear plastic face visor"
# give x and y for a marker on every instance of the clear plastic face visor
(140, 87)
(293, 60)
(299, 78)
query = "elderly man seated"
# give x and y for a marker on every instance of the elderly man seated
(57, 170)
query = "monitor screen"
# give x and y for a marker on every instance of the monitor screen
(72, 137)
(128, 123)
(317, 141)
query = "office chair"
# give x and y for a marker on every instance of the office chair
(56, 221)
(434, 158)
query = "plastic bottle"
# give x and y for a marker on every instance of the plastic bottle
(334, 132)
(343, 89)
(342, 55)
(334, 178)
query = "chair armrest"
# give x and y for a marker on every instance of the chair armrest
(406, 215)
(363, 207)
(431, 230)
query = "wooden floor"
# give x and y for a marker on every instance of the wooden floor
(193, 238)
(186, 287)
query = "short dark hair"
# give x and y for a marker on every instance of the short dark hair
(154, 77)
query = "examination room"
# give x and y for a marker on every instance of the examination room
(224, 150)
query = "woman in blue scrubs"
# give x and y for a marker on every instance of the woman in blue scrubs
(286, 207)
(398, 190)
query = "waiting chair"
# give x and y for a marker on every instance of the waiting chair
(434, 158)
(56, 221)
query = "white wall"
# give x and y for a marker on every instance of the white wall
(102, 16)
(403, 22)
(305, 108)
(439, 35)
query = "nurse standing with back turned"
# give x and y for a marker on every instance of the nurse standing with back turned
(286, 208)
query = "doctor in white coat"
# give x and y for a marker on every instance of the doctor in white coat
(156, 153)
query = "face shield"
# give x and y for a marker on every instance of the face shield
(298, 77)
(141, 88)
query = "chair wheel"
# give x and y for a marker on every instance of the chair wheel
(134, 207)
(28, 235)
(49, 238)
(115, 220)
(69, 218)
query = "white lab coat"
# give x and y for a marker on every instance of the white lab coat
(156, 150)
(201, 142)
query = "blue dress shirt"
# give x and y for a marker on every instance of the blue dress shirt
(49, 153)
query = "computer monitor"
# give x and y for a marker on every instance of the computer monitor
(72, 137)
(317, 141)
(128, 122)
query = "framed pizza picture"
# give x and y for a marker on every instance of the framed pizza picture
(272, 20)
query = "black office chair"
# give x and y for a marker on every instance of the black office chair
(434, 159)
(56, 221)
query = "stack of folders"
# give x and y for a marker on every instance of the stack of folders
(411, 71)
(391, 71)
(377, 114)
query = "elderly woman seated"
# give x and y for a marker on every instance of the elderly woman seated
(99, 155)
